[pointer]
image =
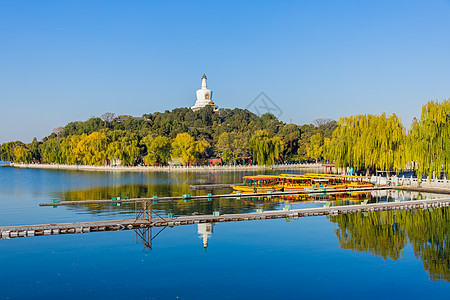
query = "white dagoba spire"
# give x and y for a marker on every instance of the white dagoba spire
(204, 82)
(204, 97)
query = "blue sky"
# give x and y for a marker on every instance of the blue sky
(62, 61)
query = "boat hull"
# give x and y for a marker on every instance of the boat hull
(244, 188)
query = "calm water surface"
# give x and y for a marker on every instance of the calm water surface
(403, 254)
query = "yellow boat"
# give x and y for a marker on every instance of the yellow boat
(259, 183)
(345, 181)
(309, 181)
(295, 182)
(291, 182)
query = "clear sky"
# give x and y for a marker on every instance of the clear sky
(63, 61)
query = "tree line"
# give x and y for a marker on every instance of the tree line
(381, 142)
(180, 136)
(365, 142)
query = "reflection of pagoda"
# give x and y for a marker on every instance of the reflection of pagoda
(204, 231)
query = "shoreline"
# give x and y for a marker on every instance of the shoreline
(313, 166)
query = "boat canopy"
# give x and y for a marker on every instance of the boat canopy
(320, 180)
(261, 177)
(335, 176)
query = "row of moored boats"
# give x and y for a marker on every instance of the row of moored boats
(308, 181)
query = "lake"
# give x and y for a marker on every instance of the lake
(395, 254)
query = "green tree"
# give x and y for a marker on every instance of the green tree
(158, 149)
(34, 148)
(232, 146)
(365, 141)
(51, 151)
(290, 134)
(306, 132)
(429, 139)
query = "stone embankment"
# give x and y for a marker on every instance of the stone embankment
(304, 167)
(428, 184)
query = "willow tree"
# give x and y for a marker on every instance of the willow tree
(365, 141)
(264, 148)
(429, 139)
(68, 148)
(126, 150)
(91, 150)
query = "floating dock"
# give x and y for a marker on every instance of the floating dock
(210, 187)
(138, 223)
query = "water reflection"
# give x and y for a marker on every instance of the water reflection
(387, 233)
(146, 235)
(242, 204)
(384, 234)
(205, 231)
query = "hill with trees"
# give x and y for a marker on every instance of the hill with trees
(182, 136)
(179, 136)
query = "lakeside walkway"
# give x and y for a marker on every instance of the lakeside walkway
(312, 166)
(432, 185)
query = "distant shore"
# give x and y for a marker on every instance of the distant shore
(311, 167)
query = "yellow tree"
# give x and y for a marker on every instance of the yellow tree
(91, 150)
(68, 149)
(365, 141)
(22, 154)
(326, 149)
(315, 148)
(185, 148)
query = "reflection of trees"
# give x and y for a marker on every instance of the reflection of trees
(164, 184)
(379, 234)
(179, 207)
(386, 234)
(131, 191)
(429, 234)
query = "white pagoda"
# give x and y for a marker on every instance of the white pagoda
(204, 97)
